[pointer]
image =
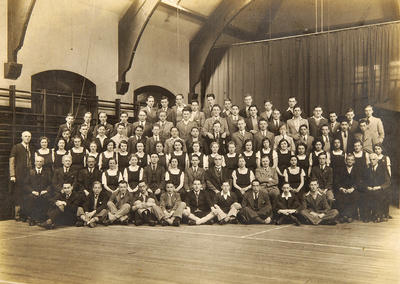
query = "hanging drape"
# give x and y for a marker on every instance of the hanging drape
(336, 70)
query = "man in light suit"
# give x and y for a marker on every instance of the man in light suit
(261, 134)
(276, 122)
(185, 125)
(171, 206)
(178, 108)
(150, 110)
(233, 119)
(165, 126)
(193, 173)
(316, 121)
(241, 136)
(283, 135)
(197, 115)
(374, 124)
(208, 124)
(119, 205)
(294, 123)
(368, 138)
(256, 206)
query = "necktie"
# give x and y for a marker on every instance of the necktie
(66, 170)
(169, 201)
(197, 199)
(156, 138)
(345, 134)
(39, 172)
(91, 171)
(153, 168)
(28, 156)
(67, 196)
(276, 123)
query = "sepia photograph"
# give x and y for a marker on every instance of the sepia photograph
(200, 141)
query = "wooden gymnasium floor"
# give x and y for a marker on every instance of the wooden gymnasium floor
(346, 253)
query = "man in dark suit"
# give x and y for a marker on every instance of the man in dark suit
(276, 122)
(150, 110)
(94, 207)
(87, 120)
(233, 118)
(101, 139)
(333, 124)
(20, 163)
(169, 116)
(64, 174)
(196, 137)
(316, 121)
(226, 205)
(248, 101)
(207, 110)
(154, 176)
(288, 114)
(128, 130)
(178, 108)
(316, 209)
(287, 207)
(64, 206)
(347, 190)
(171, 206)
(145, 207)
(215, 176)
(256, 206)
(147, 126)
(83, 133)
(152, 141)
(327, 137)
(138, 137)
(346, 138)
(198, 206)
(252, 119)
(194, 173)
(217, 137)
(241, 136)
(68, 125)
(38, 186)
(119, 205)
(353, 124)
(262, 133)
(87, 176)
(305, 138)
(377, 183)
(324, 175)
(103, 121)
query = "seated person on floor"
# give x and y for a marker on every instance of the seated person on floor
(287, 206)
(226, 205)
(172, 206)
(119, 205)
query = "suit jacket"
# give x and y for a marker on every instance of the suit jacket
(118, 200)
(132, 141)
(263, 207)
(169, 204)
(38, 182)
(152, 116)
(165, 129)
(286, 115)
(239, 139)
(138, 196)
(318, 205)
(21, 161)
(380, 177)
(101, 147)
(232, 124)
(368, 140)
(73, 202)
(207, 111)
(328, 145)
(250, 125)
(334, 128)
(315, 129)
(375, 125)
(202, 203)
(169, 145)
(292, 131)
(154, 179)
(325, 176)
(208, 125)
(185, 129)
(177, 115)
(347, 180)
(189, 144)
(199, 118)
(151, 144)
(109, 129)
(353, 127)
(258, 138)
(264, 176)
(170, 114)
(275, 128)
(266, 117)
(90, 131)
(59, 177)
(128, 131)
(146, 130)
(214, 180)
(350, 141)
(308, 141)
(225, 204)
(190, 176)
(86, 179)
(88, 204)
(244, 112)
(64, 127)
(291, 203)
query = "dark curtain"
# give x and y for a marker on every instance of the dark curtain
(336, 70)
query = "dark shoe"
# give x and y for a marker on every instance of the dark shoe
(209, 222)
(191, 222)
(389, 217)
(31, 222)
(329, 223)
(48, 224)
(295, 220)
(152, 223)
(124, 222)
(279, 221)
(233, 221)
(222, 222)
(18, 218)
(164, 223)
(79, 223)
(242, 219)
(107, 222)
(177, 222)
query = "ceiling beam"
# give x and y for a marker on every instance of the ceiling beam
(130, 30)
(18, 15)
(209, 33)
(200, 18)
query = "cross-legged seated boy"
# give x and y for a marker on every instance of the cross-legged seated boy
(171, 206)
(119, 205)
(64, 207)
(287, 207)
(226, 206)
(198, 206)
(145, 208)
(94, 209)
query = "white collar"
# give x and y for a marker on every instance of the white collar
(225, 195)
(286, 197)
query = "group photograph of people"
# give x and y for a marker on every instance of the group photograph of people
(219, 164)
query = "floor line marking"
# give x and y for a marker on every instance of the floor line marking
(265, 231)
(10, 282)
